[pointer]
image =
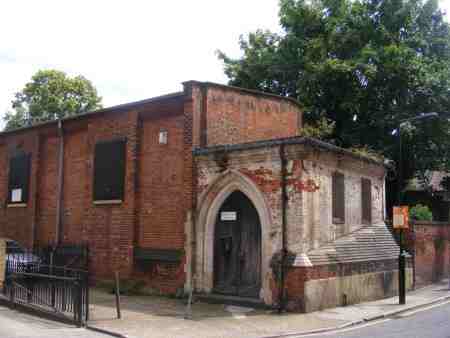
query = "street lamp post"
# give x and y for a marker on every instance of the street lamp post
(402, 255)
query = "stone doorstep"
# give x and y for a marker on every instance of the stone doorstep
(215, 298)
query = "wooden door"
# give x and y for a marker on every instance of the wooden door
(237, 249)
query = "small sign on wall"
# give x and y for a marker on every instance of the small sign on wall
(401, 217)
(16, 195)
(228, 216)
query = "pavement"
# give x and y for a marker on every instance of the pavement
(429, 322)
(152, 316)
(15, 324)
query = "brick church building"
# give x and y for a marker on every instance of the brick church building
(212, 188)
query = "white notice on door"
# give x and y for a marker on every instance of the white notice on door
(16, 195)
(228, 216)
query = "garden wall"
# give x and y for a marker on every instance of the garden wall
(430, 244)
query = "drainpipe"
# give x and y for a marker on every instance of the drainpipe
(284, 200)
(59, 201)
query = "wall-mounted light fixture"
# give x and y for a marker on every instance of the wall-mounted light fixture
(163, 136)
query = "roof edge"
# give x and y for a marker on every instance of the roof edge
(115, 108)
(287, 141)
(246, 90)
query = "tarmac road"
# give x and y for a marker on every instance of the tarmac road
(433, 322)
(14, 324)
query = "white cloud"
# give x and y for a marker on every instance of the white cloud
(131, 49)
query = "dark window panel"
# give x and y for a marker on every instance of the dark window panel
(338, 200)
(19, 176)
(366, 200)
(109, 170)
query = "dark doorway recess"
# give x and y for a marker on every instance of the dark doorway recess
(237, 248)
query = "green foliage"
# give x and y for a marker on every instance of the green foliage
(321, 129)
(420, 212)
(367, 152)
(51, 95)
(364, 64)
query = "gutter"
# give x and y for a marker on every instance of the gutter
(284, 200)
(59, 201)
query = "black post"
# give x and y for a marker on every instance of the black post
(78, 310)
(401, 272)
(86, 294)
(119, 315)
(401, 257)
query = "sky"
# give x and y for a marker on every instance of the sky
(130, 50)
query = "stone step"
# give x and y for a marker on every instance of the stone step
(215, 298)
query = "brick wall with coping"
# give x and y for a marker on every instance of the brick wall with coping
(430, 245)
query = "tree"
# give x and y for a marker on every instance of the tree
(364, 64)
(51, 95)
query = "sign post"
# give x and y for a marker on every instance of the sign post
(401, 222)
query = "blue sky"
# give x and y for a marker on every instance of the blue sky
(130, 50)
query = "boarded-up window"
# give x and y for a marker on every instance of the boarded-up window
(19, 177)
(366, 200)
(109, 170)
(338, 191)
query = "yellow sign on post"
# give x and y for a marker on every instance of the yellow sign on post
(401, 217)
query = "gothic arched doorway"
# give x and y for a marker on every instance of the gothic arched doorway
(237, 248)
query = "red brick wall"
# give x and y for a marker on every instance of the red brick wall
(239, 117)
(110, 228)
(161, 214)
(151, 215)
(297, 276)
(18, 223)
(75, 179)
(47, 191)
(432, 251)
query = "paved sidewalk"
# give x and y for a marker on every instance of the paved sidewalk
(157, 317)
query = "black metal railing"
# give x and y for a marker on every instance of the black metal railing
(63, 297)
(41, 280)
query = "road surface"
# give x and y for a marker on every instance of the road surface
(432, 322)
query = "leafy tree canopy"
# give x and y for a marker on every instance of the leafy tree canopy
(363, 64)
(51, 95)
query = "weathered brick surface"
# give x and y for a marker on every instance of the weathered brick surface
(47, 191)
(19, 222)
(430, 244)
(226, 115)
(309, 220)
(75, 201)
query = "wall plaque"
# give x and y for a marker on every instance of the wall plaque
(228, 216)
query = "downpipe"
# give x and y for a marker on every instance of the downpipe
(59, 205)
(284, 200)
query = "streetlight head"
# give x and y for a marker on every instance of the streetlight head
(422, 116)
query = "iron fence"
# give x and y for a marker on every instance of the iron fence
(63, 297)
(41, 281)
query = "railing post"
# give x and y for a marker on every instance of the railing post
(79, 302)
(86, 289)
(12, 295)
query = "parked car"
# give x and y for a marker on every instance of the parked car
(20, 260)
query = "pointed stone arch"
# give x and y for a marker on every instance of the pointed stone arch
(209, 205)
